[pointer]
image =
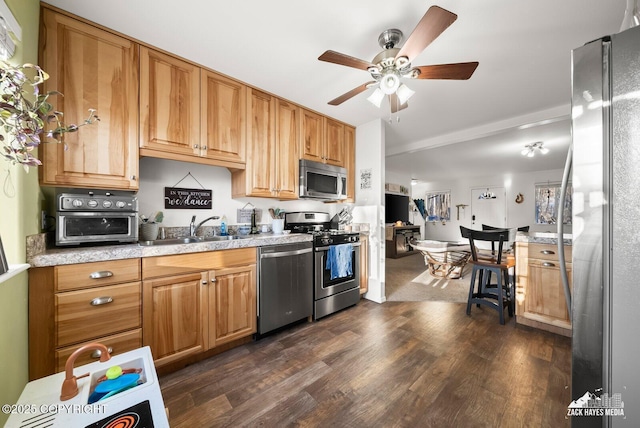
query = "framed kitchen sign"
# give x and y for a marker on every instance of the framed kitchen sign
(181, 198)
(547, 197)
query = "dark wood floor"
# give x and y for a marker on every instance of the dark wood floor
(398, 364)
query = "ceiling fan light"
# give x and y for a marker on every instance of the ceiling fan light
(524, 152)
(404, 93)
(531, 154)
(389, 83)
(544, 150)
(376, 97)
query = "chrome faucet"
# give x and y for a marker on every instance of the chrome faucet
(193, 227)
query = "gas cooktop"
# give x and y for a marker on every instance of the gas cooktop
(320, 226)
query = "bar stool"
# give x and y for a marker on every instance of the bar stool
(501, 294)
(512, 238)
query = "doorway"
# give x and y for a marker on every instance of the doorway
(488, 206)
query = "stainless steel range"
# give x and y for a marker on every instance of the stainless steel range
(331, 292)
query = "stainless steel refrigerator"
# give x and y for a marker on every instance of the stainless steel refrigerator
(605, 164)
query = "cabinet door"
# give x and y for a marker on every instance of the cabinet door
(287, 143)
(93, 69)
(261, 162)
(312, 136)
(545, 300)
(222, 118)
(334, 143)
(173, 316)
(350, 162)
(169, 104)
(232, 304)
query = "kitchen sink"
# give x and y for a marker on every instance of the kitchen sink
(223, 238)
(190, 240)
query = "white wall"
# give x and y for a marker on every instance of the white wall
(156, 174)
(518, 215)
(369, 207)
(403, 178)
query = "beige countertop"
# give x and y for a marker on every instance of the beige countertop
(543, 238)
(72, 255)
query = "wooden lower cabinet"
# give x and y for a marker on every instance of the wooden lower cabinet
(540, 300)
(180, 305)
(72, 305)
(189, 310)
(172, 316)
(116, 344)
(231, 304)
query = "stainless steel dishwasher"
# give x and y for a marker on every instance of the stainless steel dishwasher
(285, 285)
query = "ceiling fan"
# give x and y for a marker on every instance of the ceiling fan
(393, 64)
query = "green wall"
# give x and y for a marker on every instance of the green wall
(20, 203)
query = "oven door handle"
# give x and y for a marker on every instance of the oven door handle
(356, 244)
(285, 253)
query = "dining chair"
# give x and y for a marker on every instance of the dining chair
(497, 295)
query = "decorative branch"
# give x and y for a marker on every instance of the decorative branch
(24, 113)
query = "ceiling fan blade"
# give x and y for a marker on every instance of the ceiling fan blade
(458, 71)
(352, 93)
(395, 103)
(342, 59)
(432, 24)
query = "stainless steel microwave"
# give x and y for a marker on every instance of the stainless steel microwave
(322, 181)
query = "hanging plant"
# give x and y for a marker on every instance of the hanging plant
(25, 112)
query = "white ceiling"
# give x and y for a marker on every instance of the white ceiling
(523, 47)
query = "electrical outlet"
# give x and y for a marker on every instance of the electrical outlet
(43, 220)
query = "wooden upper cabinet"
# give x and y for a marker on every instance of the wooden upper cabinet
(287, 154)
(273, 132)
(350, 162)
(222, 118)
(169, 104)
(312, 144)
(95, 69)
(322, 139)
(260, 144)
(334, 143)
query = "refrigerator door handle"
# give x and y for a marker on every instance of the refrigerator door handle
(560, 224)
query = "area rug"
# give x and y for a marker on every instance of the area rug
(408, 280)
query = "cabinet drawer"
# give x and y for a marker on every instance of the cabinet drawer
(117, 344)
(548, 252)
(154, 267)
(80, 316)
(85, 275)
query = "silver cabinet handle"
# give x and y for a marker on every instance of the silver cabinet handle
(213, 280)
(204, 282)
(547, 252)
(97, 353)
(101, 301)
(195, 146)
(100, 274)
(133, 177)
(204, 147)
(548, 264)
